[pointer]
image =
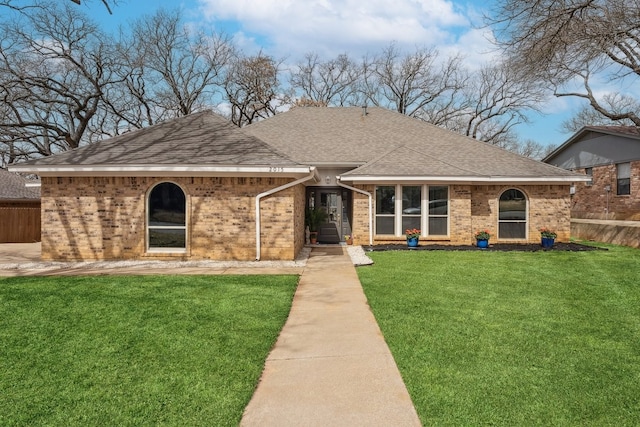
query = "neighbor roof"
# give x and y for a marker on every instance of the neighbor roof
(386, 144)
(204, 142)
(13, 187)
(630, 132)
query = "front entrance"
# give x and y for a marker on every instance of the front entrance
(336, 202)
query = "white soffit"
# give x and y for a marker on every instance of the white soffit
(164, 170)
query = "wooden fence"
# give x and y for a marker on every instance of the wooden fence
(20, 224)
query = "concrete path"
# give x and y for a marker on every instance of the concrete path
(330, 365)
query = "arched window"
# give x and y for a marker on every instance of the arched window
(512, 218)
(166, 219)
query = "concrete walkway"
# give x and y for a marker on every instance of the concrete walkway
(330, 365)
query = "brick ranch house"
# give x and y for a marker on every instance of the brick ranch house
(197, 187)
(609, 156)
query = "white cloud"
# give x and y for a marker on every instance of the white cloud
(330, 27)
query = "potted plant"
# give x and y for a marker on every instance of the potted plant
(482, 239)
(413, 237)
(314, 217)
(547, 237)
(348, 239)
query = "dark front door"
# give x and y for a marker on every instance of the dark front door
(336, 203)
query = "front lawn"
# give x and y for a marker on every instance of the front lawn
(131, 351)
(513, 338)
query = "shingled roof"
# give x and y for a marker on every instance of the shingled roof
(12, 187)
(373, 143)
(384, 143)
(202, 139)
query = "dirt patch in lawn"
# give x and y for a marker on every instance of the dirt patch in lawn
(574, 247)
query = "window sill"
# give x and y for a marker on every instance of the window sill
(403, 238)
(165, 253)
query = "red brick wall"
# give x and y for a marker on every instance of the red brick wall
(594, 202)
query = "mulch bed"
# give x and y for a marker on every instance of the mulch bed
(573, 247)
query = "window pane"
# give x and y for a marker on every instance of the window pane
(624, 186)
(384, 225)
(162, 238)
(513, 205)
(411, 196)
(624, 170)
(410, 222)
(512, 230)
(512, 215)
(437, 226)
(438, 200)
(167, 205)
(385, 199)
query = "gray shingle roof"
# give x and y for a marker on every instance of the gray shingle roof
(382, 143)
(12, 187)
(317, 135)
(203, 138)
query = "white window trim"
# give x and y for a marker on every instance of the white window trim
(526, 217)
(424, 208)
(184, 227)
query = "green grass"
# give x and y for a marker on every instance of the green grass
(132, 351)
(513, 338)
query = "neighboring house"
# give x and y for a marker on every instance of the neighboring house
(197, 187)
(19, 210)
(610, 157)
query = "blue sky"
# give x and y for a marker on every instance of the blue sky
(290, 28)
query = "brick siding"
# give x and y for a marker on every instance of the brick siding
(473, 208)
(93, 218)
(594, 202)
(88, 218)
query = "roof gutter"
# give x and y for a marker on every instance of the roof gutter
(312, 175)
(477, 180)
(369, 195)
(153, 170)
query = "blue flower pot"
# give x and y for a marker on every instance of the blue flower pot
(547, 242)
(412, 242)
(482, 243)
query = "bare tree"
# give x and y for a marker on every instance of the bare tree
(528, 148)
(170, 70)
(331, 82)
(497, 100)
(587, 116)
(165, 71)
(408, 83)
(104, 2)
(253, 88)
(54, 66)
(560, 42)
(24, 5)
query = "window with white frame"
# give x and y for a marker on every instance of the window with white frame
(623, 186)
(423, 207)
(589, 173)
(385, 209)
(166, 218)
(512, 217)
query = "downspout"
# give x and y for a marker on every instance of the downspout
(357, 190)
(311, 175)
